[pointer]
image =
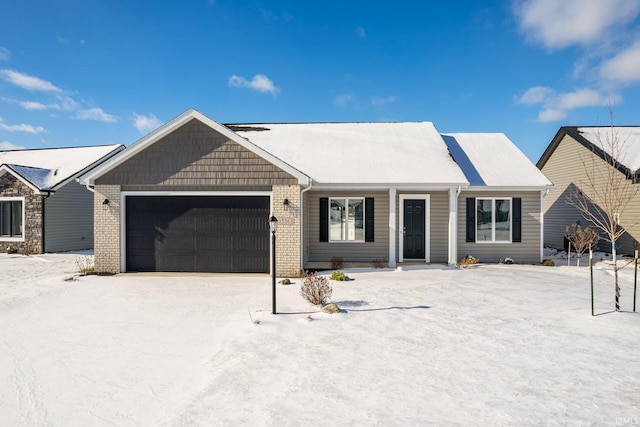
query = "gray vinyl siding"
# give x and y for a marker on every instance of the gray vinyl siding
(565, 168)
(196, 157)
(69, 219)
(438, 224)
(316, 251)
(526, 251)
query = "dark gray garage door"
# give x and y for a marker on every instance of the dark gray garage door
(197, 234)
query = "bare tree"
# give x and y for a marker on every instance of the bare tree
(606, 190)
(581, 238)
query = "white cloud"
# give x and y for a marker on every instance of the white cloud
(260, 82)
(343, 100)
(28, 82)
(145, 123)
(6, 145)
(361, 32)
(556, 105)
(561, 23)
(534, 95)
(21, 128)
(95, 113)
(378, 101)
(624, 67)
(551, 115)
(5, 55)
(32, 105)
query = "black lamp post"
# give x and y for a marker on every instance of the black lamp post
(273, 226)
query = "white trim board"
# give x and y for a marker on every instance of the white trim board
(427, 230)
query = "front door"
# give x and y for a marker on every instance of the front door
(414, 231)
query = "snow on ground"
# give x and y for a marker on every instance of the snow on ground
(487, 345)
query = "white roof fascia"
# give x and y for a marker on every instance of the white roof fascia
(506, 188)
(6, 169)
(384, 186)
(162, 131)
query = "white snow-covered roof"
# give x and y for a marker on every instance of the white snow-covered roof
(491, 159)
(44, 169)
(359, 153)
(627, 136)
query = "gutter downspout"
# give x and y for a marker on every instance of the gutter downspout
(304, 190)
(42, 237)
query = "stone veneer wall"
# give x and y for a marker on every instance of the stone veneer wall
(10, 186)
(288, 234)
(106, 228)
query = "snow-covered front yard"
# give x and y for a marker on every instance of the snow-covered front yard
(489, 345)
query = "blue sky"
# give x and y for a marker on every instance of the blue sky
(85, 72)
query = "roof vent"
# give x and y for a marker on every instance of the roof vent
(55, 172)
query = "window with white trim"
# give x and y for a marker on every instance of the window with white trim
(493, 220)
(346, 219)
(11, 218)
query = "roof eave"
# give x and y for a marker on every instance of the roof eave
(37, 190)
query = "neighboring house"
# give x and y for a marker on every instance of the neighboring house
(196, 195)
(563, 162)
(42, 206)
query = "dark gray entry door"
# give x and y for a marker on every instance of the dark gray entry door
(197, 234)
(414, 230)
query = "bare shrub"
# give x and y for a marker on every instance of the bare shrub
(337, 263)
(379, 263)
(467, 261)
(84, 264)
(581, 238)
(316, 289)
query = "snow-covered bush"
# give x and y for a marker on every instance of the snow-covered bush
(548, 262)
(316, 289)
(85, 264)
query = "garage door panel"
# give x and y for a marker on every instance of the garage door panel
(207, 234)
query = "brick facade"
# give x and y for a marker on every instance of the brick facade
(10, 186)
(288, 236)
(106, 230)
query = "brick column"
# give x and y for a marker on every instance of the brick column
(106, 228)
(288, 236)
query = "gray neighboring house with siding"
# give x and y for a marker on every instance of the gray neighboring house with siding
(564, 163)
(43, 208)
(196, 195)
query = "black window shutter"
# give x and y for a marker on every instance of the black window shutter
(471, 219)
(516, 235)
(324, 219)
(368, 220)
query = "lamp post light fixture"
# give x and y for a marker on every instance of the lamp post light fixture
(273, 226)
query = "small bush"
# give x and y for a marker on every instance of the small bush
(548, 263)
(467, 261)
(11, 250)
(285, 282)
(379, 263)
(339, 276)
(85, 264)
(316, 289)
(337, 263)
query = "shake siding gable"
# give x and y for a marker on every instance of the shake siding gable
(195, 156)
